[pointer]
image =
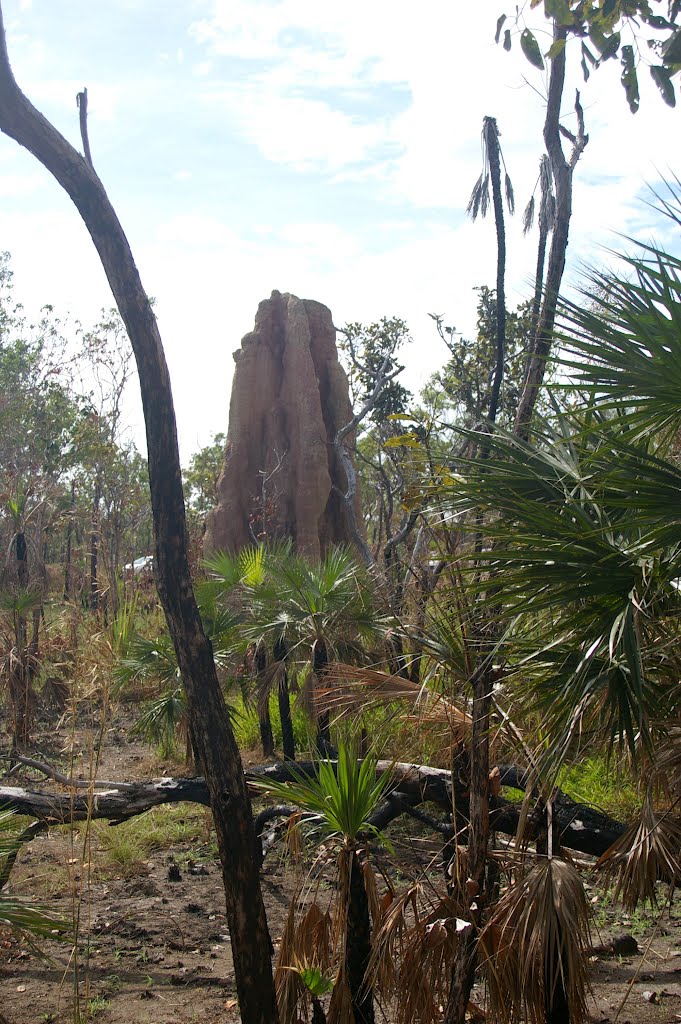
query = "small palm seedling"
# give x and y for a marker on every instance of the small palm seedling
(342, 796)
(318, 985)
(164, 720)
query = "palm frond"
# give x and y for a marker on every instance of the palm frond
(510, 198)
(354, 687)
(528, 216)
(26, 918)
(649, 851)
(412, 953)
(534, 944)
(343, 794)
(622, 341)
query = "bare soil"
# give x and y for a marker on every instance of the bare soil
(152, 941)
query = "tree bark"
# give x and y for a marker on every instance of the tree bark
(210, 727)
(562, 170)
(358, 945)
(284, 698)
(264, 718)
(463, 969)
(494, 155)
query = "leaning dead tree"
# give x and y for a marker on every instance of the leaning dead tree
(210, 727)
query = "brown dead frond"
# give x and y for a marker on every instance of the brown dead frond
(649, 851)
(307, 941)
(353, 687)
(412, 955)
(535, 941)
(667, 766)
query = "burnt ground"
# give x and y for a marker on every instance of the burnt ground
(152, 941)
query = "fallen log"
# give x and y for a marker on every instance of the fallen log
(582, 828)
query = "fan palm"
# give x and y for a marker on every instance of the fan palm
(311, 615)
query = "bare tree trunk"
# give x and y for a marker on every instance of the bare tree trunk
(463, 970)
(562, 170)
(19, 679)
(358, 944)
(211, 731)
(93, 588)
(68, 582)
(288, 743)
(492, 133)
(264, 719)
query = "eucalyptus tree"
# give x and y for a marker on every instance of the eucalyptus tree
(211, 731)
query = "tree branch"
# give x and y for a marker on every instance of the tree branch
(81, 103)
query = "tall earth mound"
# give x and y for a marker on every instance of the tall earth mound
(289, 399)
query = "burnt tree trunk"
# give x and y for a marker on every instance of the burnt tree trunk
(210, 727)
(264, 719)
(93, 586)
(463, 970)
(320, 659)
(68, 582)
(494, 156)
(19, 677)
(287, 737)
(358, 945)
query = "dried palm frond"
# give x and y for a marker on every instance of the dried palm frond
(479, 200)
(510, 197)
(306, 943)
(353, 686)
(413, 952)
(528, 216)
(648, 851)
(534, 946)
(668, 761)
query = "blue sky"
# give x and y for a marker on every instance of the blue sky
(327, 149)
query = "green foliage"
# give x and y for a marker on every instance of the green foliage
(22, 916)
(370, 350)
(161, 719)
(315, 981)
(200, 479)
(598, 782)
(600, 29)
(148, 658)
(466, 379)
(583, 523)
(342, 795)
(246, 724)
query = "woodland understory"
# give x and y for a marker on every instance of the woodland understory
(431, 777)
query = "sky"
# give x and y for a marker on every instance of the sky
(326, 149)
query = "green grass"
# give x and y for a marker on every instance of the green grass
(602, 784)
(128, 845)
(247, 730)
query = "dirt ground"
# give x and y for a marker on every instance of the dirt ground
(152, 942)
